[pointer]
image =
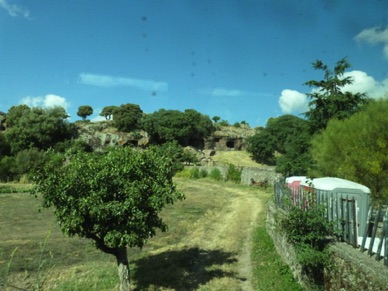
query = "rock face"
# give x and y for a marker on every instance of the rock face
(229, 138)
(100, 135)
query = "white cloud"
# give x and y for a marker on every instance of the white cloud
(226, 92)
(14, 10)
(47, 101)
(111, 81)
(375, 35)
(222, 92)
(292, 101)
(363, 83)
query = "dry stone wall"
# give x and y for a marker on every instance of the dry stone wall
(349, 268)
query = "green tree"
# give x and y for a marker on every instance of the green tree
(188, 127)
(84, 111)
(285, 142)
(127, 117)
(216, 119)
(328, 99)
(107, 111)
(38, 127)
(112, 198)
(356, 149)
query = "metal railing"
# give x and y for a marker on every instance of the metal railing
(343, 211)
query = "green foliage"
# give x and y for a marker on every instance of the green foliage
(28, 161)
(216, 119)
(215, 174)
(288, 136)
(107, 111)
(328, 99)
(5, 148)
(127, 117)
(37, 127)
(113, 198)
(174, 152)
(187, 128)
(237, 125)
(356, 149)
(84, 111)
(308, 231)
(196, 173)
(189, 157)
(7, 171)
(224, 123)
(233, 174)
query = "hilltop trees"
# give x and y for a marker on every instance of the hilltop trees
(107, 111)
(113, 198)
(84, 111)
(356, 148)
(127, 117)
(188, 127)
(328, 99)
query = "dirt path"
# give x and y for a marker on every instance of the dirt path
(229, 229)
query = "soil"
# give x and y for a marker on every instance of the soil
(229, 229)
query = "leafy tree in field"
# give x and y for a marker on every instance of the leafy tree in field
(328, 100)
(84, 111)
(356, 149)
(107, 112)
(112, 198)
(127, 117)
(37, 127)
(185, 127)
(287, 136)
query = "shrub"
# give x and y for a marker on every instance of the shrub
(196, 173)
(233, 174)
(308, 231)
(215, 174)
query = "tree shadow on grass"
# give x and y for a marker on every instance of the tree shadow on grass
(184, 269)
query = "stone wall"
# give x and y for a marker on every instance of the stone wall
(349, 268)
(258, 174)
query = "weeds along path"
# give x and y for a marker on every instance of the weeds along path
(226, 226)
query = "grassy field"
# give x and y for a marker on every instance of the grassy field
(216, 241)
(237, 158)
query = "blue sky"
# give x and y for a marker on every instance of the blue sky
(242, 60)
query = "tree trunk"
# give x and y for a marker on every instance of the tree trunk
(123, 268)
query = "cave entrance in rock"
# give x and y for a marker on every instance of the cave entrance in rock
(230, 144)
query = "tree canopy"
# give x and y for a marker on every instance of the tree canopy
(107, 111)
(284, 142)
(328, 99)
(113, 198)
(186, 127)
(84, 111)
(356, 148)
(127, 117)
(37, 127)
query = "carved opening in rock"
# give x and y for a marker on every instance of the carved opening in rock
(230, 144)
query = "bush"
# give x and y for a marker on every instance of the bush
(215, 174)
(196, 173)
(308, 231)
(233, 174)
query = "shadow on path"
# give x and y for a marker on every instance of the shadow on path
(184, 269)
